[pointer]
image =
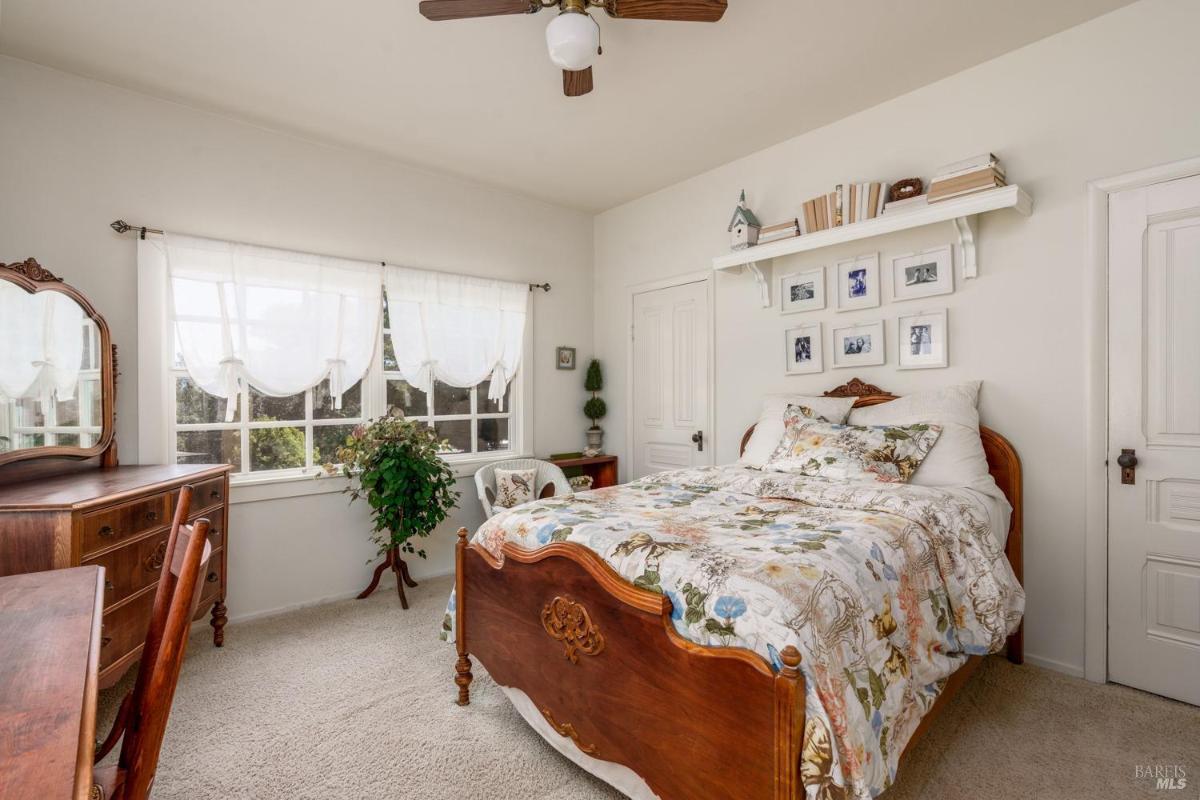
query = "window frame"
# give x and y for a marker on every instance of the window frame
(157, 372)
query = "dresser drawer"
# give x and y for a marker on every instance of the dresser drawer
(205, 495)
(124, 629)
(212, 579)
(132, 567)
(105, 528)
(216, 526)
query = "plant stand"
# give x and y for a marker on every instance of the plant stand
(394, 562)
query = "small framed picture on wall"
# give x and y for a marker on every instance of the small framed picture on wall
(802, 291)
(923, 340)
(859, 345)
(564, 357)
(858, 283)
(802, 349)
(923, 274)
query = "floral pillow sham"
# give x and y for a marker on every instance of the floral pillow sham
(820, 449)
(514, 486)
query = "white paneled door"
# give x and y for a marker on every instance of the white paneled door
(1154, 439)
(670, 379)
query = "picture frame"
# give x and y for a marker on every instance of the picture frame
(858, 283)
(564, 358)
(802, 349)
(860, 344)
(802, 291)
(923, 340)
(924, 274)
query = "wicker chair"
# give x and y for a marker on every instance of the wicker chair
(548, 475)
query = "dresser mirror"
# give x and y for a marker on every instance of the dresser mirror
(56, 369)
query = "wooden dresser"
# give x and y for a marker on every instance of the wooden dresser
(117, 518)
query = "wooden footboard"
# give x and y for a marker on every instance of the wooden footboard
(601, 660)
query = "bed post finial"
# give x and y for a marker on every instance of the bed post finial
(791, 661)
(462, 667)
(789, 726)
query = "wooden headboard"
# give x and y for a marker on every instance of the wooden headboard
(1002, 460)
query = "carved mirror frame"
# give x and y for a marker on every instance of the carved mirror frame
(33, 278)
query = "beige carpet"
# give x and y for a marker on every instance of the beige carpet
(355, 700)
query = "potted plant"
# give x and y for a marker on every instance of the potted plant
(395, 463)
(594, 408)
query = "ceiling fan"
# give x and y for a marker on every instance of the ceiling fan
(573, 37)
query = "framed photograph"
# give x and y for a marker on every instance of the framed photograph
(564, 358)
(859, 345)
(802, 291)
(858, 283)
(923, 340)
(924, 274)
(802, 349)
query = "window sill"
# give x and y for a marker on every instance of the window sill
(252, 489)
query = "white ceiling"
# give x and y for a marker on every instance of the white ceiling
(479, 98)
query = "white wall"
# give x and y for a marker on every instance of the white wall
(1110, 96)
(76, 154)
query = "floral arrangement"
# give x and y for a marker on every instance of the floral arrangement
(395, 464)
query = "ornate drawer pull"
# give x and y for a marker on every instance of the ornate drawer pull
(108, 585)
(151, 516)
(567, 730)
(215, 494)
(107, 530)
(213, 577)
(569, 622)
(213, 533)
(105, 641)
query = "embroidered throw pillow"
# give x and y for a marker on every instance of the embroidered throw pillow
(883, 453)
(768, 431)
(514, 486)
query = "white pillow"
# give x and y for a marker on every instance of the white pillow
(769, 430)
(958, 458)
(514, 486)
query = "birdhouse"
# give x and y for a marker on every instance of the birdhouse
(744, 227)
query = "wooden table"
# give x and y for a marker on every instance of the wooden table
(49, 667)
(602, 468)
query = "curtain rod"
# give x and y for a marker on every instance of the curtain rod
(121, 226)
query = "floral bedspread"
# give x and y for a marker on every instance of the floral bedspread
(885, 589)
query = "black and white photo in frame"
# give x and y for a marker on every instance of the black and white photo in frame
(859, 345)
(924, 274)
(802, 291)
(858, 283)
(802, 349)
(923, 340)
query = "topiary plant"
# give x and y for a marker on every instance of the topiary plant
(595, 408)
(395, 463)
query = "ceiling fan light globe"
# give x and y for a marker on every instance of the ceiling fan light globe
(572, 39)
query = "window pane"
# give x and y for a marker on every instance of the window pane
(326, 441)
(196, 406)
(209, 447)
(406, 398)
(67, 439)
(323, 402)
(276, 448)
(29, 413)
(458, 434)
(264, 408)
(66, 412)
(493, 435)
(450, 400)
(389, 354)
(489, 406)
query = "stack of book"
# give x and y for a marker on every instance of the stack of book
(774, 233)
(846, 204)
(970, 175)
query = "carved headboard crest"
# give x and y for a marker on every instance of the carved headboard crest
(857, 388)
(31, 269)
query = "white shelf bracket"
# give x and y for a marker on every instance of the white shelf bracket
(763, 278)
(966, 241)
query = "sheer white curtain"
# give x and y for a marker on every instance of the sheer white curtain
(41, 344)
(456, 329)
(277, 320)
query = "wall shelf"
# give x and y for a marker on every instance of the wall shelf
(961, 211)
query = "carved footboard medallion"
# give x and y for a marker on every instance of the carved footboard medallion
(567, 730)
(569, 622)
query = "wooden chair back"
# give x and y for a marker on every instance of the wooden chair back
(143, 715)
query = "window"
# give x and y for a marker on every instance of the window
(60, 423)
(298, 434)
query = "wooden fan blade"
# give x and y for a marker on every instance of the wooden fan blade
(680, 10)
(438, 10)
(577, 82)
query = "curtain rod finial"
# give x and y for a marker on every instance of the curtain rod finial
(120, 226)
(545, 287)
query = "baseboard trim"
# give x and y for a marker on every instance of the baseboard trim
(1058, 666)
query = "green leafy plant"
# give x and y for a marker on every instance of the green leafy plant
(595, 408)
(395, 464)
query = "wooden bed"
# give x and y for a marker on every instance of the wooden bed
(602, 662)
